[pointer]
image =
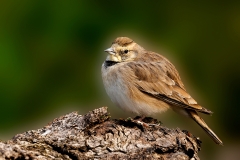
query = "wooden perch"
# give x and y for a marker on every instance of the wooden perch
(96, 136)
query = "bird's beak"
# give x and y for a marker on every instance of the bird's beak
(110, 51)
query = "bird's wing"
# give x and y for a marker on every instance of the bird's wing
(162, 81)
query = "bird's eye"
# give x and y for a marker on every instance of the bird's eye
(125, 51)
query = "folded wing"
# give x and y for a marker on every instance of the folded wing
(161, 80)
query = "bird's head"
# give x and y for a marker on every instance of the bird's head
(123, 49)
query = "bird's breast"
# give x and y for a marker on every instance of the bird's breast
(125, 95)
(115, 87)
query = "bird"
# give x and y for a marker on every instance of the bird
(143, 82)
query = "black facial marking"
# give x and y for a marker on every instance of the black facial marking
(109, 63)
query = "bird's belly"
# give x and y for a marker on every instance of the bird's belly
(119, 93)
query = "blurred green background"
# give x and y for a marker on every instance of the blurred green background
(51, 54)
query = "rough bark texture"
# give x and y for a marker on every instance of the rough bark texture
(96, 136)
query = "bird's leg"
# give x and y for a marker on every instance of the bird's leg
(143, 120)
(139, 118)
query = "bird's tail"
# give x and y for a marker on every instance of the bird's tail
(194, 115)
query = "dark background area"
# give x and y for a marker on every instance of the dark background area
(51, 55)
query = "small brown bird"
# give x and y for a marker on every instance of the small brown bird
(144, 83)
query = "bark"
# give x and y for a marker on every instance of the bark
(96, 136)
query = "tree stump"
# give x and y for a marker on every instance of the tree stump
(96, 136)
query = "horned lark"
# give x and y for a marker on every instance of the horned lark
(144, 83)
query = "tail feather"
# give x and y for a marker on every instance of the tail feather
(201, 123)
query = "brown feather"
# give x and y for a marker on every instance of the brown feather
(205, 127)
(157, 77)
(122, 41)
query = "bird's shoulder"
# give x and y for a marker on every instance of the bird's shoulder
(150, 66)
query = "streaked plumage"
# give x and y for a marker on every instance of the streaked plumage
(144, 83)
